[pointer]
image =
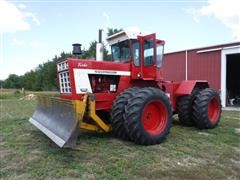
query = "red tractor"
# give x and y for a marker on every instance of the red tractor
(127, 95)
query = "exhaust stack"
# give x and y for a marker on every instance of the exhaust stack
(77, 50)
(99, 47)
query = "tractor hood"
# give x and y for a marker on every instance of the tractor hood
(77, 77)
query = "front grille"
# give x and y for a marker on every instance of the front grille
(62, 66)
(64, 81)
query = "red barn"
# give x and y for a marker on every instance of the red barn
(219, 65)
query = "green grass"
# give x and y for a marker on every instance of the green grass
(18, 94)
(187, 153)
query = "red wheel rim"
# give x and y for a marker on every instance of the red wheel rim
(213, 110)
(154, 117)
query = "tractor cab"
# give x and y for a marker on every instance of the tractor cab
(144, 52)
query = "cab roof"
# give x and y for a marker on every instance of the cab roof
(122, 36)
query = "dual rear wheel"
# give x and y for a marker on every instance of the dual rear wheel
(142, 115)
(202, 108)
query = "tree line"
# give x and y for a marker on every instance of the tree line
(44, 77)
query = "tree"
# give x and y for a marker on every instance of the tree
(112, 31)
(1, 83)
(13, 81)
(91, 52)
(29, 80)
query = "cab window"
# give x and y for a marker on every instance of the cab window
(121, 51)
(136, 52)
(159, 55)
(148, 52)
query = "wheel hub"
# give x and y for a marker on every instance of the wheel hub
(213, 110)
(154, 117)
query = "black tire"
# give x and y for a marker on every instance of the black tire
(116, 115)
(135, 115)
(185, 108)
(207, 109)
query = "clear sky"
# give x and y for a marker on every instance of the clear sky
(32, 32)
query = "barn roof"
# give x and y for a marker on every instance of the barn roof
(210, 48)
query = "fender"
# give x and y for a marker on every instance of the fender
(186, 87)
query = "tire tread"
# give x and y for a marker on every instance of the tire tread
(132, 116)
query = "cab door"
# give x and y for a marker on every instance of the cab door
(144, 57)
(148, 56)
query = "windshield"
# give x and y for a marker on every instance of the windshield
(121, 51)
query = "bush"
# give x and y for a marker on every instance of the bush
(17, 92)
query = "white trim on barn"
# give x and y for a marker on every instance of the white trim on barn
(209, 50)
(226, 51)
(186, 65)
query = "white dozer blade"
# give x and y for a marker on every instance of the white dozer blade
(58, 120)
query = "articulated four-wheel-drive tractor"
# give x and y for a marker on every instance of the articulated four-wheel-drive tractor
(127, 95)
